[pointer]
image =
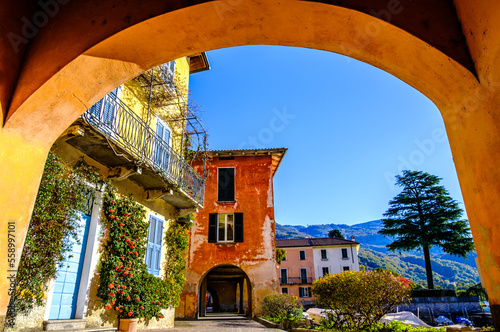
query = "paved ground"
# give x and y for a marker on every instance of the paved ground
(219, 325)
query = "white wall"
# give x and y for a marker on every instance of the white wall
(334, 260)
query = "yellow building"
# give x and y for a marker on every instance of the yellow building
(136, 137)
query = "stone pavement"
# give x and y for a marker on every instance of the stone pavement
(222, 325)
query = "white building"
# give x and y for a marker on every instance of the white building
(333, 256)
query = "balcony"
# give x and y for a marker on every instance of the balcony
(111, 133)
(296, 281)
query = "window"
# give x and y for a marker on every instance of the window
(284, 276)
(284, 290)
(153, 251)
(346, 268)
(104, 112)
(225, 228)
(226, 185)
(303, 276)
(168, 72)
(302, 255)
(304, 291)
(344, 253)
(325, 271)
(162, 145)
(323, 255)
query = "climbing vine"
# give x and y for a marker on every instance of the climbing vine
(63, 192)
(126, 286)
(177, 242)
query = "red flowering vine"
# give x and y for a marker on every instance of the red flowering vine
(123, 270)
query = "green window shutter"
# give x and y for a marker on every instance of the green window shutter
(238, 227)
(212, 228)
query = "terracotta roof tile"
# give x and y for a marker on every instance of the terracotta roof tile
(287, 243)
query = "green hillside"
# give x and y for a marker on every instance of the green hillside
(444, 271)
(373, 253)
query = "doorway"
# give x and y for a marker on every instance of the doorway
(225, 291)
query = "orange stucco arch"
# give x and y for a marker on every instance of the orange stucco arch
(88, 77)
(50, 91)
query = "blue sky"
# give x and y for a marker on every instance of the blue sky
(349, 128)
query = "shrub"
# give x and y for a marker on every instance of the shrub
(280, 307)
(355, 300)
(64, 190)
(397, 326)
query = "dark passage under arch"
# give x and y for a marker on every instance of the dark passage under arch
(225, 289)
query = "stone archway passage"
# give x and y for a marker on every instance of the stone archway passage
(59, 57)
(230, 292)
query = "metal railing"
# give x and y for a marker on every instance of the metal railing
(295, 281)
(113, 118)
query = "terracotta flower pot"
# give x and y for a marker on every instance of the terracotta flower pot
(128, 324)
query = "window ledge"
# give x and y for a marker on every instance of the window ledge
(324, 259)
(226, 202)
(345, 259)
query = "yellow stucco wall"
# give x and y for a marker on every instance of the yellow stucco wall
(96, 315)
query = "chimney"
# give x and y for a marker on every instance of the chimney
(352, 238)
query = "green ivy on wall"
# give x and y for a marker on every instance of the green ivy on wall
(177, 243)
(63, 191)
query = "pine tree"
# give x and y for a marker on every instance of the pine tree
(424, 215)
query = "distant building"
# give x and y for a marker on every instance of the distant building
(311, 259)
(232, 256)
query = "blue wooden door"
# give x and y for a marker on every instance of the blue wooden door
(67, 284)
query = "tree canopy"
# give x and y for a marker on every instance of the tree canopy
(424, 215)
(335, 233)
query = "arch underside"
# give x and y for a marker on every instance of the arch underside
(63, 75)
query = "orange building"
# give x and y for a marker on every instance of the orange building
(231, 262)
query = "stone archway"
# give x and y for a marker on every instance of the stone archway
(230, 289)
(53, 69)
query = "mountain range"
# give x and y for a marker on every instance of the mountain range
(447, 270)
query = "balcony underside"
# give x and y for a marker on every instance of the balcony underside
(123, 165)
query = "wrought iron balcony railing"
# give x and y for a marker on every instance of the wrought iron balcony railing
(119, 124)
(296, 281)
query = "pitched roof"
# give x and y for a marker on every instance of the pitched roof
(288, 243)
(277, 154)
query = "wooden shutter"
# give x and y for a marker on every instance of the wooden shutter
(158, 243)
(150, 247)
(226, 185)
(153, 252)
(238, 227)
(301, 291)
(212, 228)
